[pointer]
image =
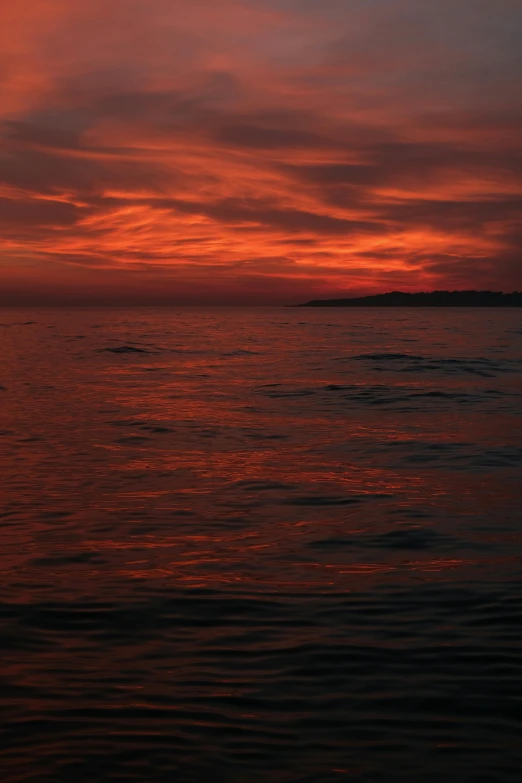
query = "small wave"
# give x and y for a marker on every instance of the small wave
(454, 456)
(293, 393)
(414, 363)
(387, 357)
(241, 352)
(319, 500)
(407, 538)
(18, 323)
(129, 440)
(260, 485)
(400, 398)
(123, 349)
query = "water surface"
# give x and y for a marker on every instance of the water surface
(251, 545)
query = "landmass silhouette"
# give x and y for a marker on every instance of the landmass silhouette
(425, 299)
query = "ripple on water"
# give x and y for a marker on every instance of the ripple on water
(305, 684)
(230, 555)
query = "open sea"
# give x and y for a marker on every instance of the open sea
(261, 545)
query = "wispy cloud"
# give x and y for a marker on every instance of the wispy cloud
(258, 151)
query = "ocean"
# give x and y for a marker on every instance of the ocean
(249, 545)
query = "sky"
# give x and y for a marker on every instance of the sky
(258, 151)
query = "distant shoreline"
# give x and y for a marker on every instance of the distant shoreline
(425, 299)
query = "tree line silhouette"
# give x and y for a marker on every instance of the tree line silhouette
(426, 299)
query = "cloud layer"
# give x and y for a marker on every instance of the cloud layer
(258, 151)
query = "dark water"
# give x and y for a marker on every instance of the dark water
(271, 545)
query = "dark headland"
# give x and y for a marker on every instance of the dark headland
(428, 299)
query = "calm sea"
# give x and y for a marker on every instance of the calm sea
(241, 546)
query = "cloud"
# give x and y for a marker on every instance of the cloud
(34, 213)
(261, 150)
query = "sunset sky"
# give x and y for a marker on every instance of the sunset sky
(258, 151)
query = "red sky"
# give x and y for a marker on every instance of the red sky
(258, 151)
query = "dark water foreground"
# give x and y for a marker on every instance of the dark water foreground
(261, 546)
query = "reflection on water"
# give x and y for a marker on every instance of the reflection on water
(271, 544)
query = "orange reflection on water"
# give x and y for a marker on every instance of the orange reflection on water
(225, 455)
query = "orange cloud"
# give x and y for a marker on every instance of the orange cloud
(263, 151)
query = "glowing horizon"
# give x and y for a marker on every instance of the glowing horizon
(264, 152)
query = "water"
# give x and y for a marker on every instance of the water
(261, 545)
